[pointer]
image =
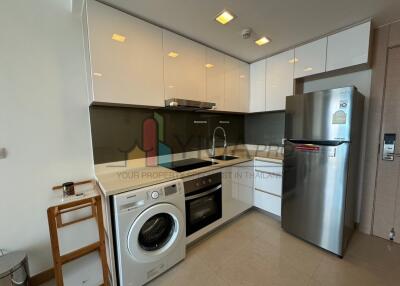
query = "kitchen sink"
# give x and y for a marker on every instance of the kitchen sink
(224, 157)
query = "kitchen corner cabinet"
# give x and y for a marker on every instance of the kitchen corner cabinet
(242, 185)
(124, 57)
(310, 58)
(257, 86)
(184, 68)
(237, 85)
(215, 78)
(268, 186)
(349, 47)
(279, 80)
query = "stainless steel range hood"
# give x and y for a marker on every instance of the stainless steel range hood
(184, 104)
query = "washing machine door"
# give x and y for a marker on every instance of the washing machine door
(156, 232)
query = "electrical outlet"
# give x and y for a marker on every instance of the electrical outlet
(3, 153)
(392, 234)
(283, 141)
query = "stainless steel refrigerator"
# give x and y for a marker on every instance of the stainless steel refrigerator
(321, 166)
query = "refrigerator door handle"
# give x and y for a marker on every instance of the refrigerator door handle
(320, 143)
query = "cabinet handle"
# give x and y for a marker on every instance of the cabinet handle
(272, 194)
(269, 173)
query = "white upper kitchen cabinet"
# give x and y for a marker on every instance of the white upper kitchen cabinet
(215, 78)
(237, 85)
(184, 68)
(257, 86)
(310, 58)
(124, 57)
(244, 86)
(279, 80)
(349, 47)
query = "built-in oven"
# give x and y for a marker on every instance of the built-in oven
(203, 197)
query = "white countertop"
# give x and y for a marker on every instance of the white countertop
(119, 177)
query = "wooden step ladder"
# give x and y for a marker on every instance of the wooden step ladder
(54, 215)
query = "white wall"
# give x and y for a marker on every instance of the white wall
(44, 119)
(362, 80)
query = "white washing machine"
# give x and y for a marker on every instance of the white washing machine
(149, 231)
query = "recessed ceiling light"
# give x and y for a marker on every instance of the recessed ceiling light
(262, 41)
(308, 69)
(173, 54)
(224, 17)
(209, 66)
(242, 76)
(292, 61)
(97, 74)
(118, 38)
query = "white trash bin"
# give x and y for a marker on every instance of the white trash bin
(14, 269)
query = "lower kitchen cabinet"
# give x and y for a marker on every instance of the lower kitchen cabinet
(268, 186)
(237, 189)
(267, 202)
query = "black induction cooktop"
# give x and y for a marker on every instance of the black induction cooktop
(187, 164)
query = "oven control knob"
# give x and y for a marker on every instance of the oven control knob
(155, 195)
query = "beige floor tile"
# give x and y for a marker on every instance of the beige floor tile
(347, 271)
(254, 250)
(377, 251)
(191, 271)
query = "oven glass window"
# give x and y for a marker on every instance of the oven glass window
(203, 211)
(156, 232)
(203, 208)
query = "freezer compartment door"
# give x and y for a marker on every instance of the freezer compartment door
(320, 116)
(314, 192)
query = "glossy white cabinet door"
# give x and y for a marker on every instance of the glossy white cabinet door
(349, 48)
(279, 80)
(257, 86)
(231, 84)
(237, 88)
(244, 87)
(310, 58)
(267, 202)
(268, 182)
(242, 184)
(268, 186)
(243, 173)
(184, 68)
(236, 198)
(129, 71)
(215, 78)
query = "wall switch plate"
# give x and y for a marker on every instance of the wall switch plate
(3, 153)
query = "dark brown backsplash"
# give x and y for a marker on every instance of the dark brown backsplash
(264, 128)
(118, 132)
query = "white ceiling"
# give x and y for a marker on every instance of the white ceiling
(286, 22)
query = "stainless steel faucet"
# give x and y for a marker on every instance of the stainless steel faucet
(213, 143)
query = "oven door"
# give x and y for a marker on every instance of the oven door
(203, 207)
